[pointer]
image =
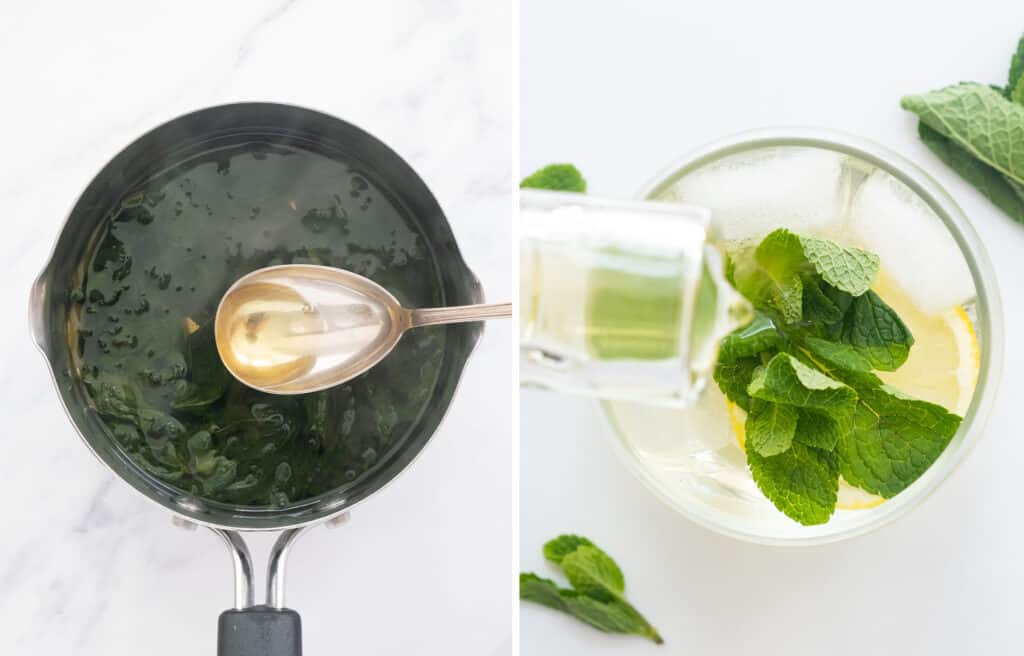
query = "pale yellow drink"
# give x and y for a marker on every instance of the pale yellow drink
(694, 457)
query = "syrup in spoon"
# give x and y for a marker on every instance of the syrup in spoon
(300, 328)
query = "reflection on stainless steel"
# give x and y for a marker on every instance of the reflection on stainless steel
(242, 561)
(277, 563)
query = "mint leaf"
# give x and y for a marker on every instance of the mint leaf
(770, 427)
(593, 571)
(208, 378)
(780, 252)
(814, 407)
(778, 290)
(819, 308)
(995, 186)
(1016, 67)
(781, 257)
(978, 132)
(817, 430)
(542, 591)
(978, 119)
(1017, 187)
(874, 331)
(598, 585)
(113, 399)
(758, 335)
(841, 355)
(848, 269)
(615, 616)
(556, 177)
(557, 549)
(736, 363)
(894, 439)
(787, 380)
(775, 273)
(802, 482)
(1017, 94)
(733, 378)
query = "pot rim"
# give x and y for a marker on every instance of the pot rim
(192, 508)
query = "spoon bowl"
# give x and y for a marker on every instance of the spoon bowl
(299, 328)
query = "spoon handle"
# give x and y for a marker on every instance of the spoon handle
(459, 314)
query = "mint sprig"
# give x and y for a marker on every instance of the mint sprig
(597, 596)
(802, 371)
(556, 177)
(1016, 68)
(978, 131)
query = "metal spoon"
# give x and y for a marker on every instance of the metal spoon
(300, 328)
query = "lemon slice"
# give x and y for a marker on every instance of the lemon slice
(944, 361)
(942, 368)
(970, 357)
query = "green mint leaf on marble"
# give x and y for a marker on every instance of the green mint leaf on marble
(978, 131)
(592, 571)
(802, 482)
(542, 591)
(557, 549)
(556, 177)
(770, 427)
(978, 119)
(612, 616)
(598, 588)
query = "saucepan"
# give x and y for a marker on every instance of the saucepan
(248, 627)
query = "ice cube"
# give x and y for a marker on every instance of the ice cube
(752, 193)
(919, 253)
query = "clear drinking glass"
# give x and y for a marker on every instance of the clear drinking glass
(933, 264)
(621, 300)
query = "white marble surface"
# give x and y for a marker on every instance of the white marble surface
(87, 566)
(622, 89)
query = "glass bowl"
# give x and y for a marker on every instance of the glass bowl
(824, 182)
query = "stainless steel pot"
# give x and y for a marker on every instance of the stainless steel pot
(248, 628)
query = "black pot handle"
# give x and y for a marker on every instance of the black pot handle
(259, 631)
(268, 629)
